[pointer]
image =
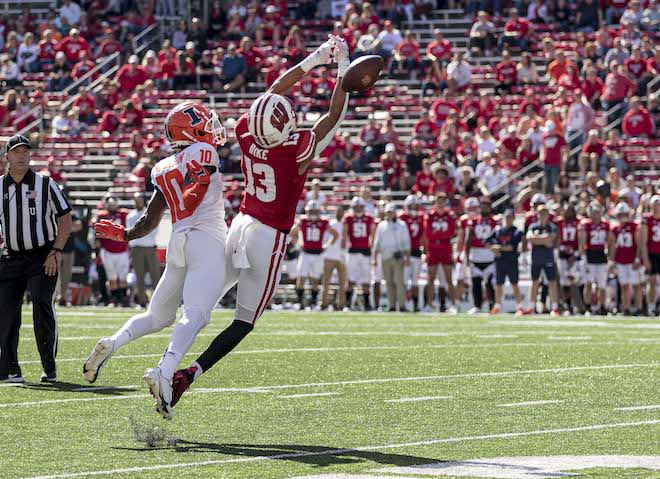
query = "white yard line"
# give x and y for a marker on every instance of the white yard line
(531, 403)
(638, 408)
(575, 324)
(347, 452)
(570, 338)
(417, 399)
(365, 381)
(308, 395)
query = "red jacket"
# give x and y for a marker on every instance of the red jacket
(638, 123)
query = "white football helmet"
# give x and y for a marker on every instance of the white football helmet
(471, 203)
(411, 202)
(622, 209)
(594, 207)
(271, 120)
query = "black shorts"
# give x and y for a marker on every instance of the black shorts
(504, 270)
(655, 263)
(550, 269)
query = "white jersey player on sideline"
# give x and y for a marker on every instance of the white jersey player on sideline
(189, 183)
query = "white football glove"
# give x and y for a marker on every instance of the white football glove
(340, 55)
(321, 56)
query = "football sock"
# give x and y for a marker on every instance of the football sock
(191, 323)
(443, 298)
(490, 291)
(365, 297)
(224, 343)
(300, 292)
(315, 296)
(477, 293)
(349, 296)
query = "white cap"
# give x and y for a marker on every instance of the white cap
(411, 200)
(390, 147)
(357, 201)
(622, 209)
(133, 59)
(471, 202)
(538, 198)
(390, 208)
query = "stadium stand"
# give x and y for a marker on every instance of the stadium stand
(476, 87)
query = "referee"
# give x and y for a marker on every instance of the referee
(35, 222)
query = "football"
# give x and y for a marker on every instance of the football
(362, 73)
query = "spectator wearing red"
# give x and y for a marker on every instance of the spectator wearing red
(109, 44)
(441, 108)
(593, 153)
(406, 55)
(442, 183)
(392, 169)
(108, 97)
(86, 105)
(531, 100)
(165, 49)
(348, 157)
(84, 66)
(510, 142)
(570, 79)
(438, 52)
(253, 57)
(168, 69)
(637, 122)
(637, 68)
(506, 74)
(592, 87)
(516, 32)
(131, 75)
(47, 49)
(653, 63)
(466, 151)
(424, 178)
(525, 153)
(617, 88)
(553, 154)
(336, 143)
(294, 44)
(559, 66)
(131, 118)
(72, 45)
(426, 130)
(271, 26)
(53, 171)
(151, 65)
(109, 122)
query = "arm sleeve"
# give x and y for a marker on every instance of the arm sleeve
(58, 201)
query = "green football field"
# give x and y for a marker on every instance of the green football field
(350, 396)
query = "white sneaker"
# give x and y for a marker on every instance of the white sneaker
(427, 309)
(346, 309)
(452, 310)
(161, 389)
(297, 307)
(95, 362)
(474, 310)
(318, 308)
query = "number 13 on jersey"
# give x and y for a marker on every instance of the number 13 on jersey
(263, 187)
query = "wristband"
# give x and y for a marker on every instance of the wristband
(342, 66)
(57, 250)
(310, 62)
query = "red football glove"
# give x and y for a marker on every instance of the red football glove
(107, 229)
(198, 174)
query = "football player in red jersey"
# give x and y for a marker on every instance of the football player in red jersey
(593, 234)
(569, 267)
(114, 254)
(650, 252)
(357, 237)
(189, 184)
(312, 229)
(623, 253)
(439, 229)
(275, 158)
(415, 223)
(480, 256)
(471, 206)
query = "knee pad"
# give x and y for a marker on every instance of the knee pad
(196, 317)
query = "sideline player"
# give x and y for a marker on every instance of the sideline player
(480, 257)
(415, 223)
(542, 236)
(357, 236)
(312, 229)
(334, 259)
(570, 266)
(593, 235)
(189, 183)
(439, 229)
(276, 156)
(650, 251)
(623, 253)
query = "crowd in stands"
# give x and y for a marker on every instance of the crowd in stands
(557, 73)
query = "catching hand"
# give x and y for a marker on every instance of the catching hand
(198, 174)
(340, 54)
(107, 229)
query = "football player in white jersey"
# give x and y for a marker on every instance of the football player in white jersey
(190, 185)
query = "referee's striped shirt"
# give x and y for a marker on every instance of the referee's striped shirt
(29, 211)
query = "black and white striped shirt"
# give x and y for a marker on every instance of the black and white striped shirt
(29, 211)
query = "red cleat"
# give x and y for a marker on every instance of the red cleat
(182, 380)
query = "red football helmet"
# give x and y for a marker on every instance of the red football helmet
(190, 123)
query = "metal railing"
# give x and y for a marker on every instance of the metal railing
(143, 39)
(99, 67)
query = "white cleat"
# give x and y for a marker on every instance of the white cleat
(95, 362)
(452, 310)
(161, 389)
(474, 310)
(427, 309)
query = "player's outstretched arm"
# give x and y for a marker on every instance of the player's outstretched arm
(326, 126)
(321, 56)
(150, 219)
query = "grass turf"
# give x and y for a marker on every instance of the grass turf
(370, 372)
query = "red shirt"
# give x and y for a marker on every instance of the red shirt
(617, 87)
(568, 236)
(118, 216)
(408, 49)
(652, 232)
(423, 182)
(506, 72)
(442, 108)
(72, 47)
(252, 57)
(272, 183)
(638, 123)
(370, 134)
(596, 234)
(440, 50)
(85, 103)
(47, 50)
(415, 229)
(359, 230)
(446, 186)
(108, 47)
(552, 143)
(625, 244)
(128, 79)
(598, 147)
(652, 65)
(81, 68)
(636, 67)
(482, 227)
(439, 229)
(167, 69)
(521, 26)
(312, 233)
(591, 88)
(426, 128)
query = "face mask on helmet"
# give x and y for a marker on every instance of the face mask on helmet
(214, 126)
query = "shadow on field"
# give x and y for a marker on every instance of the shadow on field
(79, 388)
(313, 455)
